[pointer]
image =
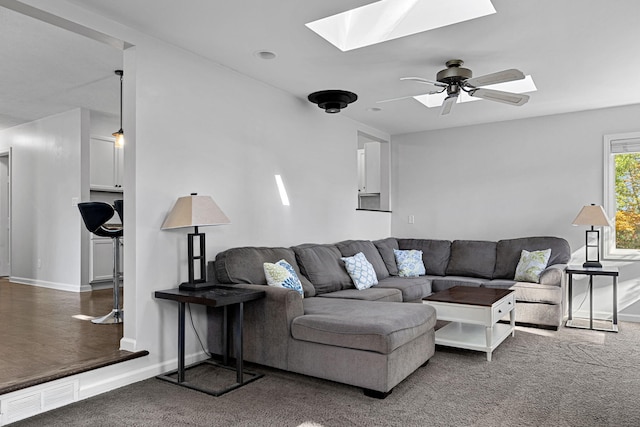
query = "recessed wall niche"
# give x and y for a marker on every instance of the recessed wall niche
(373, 173)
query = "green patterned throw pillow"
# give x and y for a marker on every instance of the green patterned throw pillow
(282, 275)
(531, 265)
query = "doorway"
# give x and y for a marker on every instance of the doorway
(5, 212)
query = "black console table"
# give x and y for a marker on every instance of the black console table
(604, 271)
(217, 296)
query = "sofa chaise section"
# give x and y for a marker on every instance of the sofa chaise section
(367, 344)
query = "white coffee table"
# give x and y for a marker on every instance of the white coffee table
(474, 314)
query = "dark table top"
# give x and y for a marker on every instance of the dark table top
(590, 271)
(469, 295)
(216, 296)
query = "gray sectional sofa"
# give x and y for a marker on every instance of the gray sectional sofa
(370, 338)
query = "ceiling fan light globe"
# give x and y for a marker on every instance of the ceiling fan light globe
(333, 109)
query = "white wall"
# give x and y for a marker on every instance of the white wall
(46, 175)
(511, 179)
(201, 128)
(103, 124)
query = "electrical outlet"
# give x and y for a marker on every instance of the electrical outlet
(74, 201)
(411, 219)
(39, 263)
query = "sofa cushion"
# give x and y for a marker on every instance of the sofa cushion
(245, 265)
(385, 248)
(435, 253)
(529, 292)
(370, 294)
(321, 264)
(531, 265)
(380, 327)
(360, 270)
(412, 288)
(472, 258)
(282, 275)
(349, 248)
(441, 283)
(508, 253)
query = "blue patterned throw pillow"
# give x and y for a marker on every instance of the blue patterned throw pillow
(282, 275)
(531, 265)
(361, 271)
(409, 263)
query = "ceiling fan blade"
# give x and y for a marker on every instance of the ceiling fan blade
(424, 81)
(448, 104)
(495, 78)
(510, 98)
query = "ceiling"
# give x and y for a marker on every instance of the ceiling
(47, 70)
(582, 54)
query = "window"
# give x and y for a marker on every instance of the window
(622, 195)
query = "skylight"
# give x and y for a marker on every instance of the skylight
(391, 19)
(517, 86)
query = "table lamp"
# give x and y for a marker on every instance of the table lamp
(195, 211)
(592, 215)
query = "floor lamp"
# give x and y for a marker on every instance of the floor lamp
(195, 211)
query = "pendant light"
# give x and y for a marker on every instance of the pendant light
(119, 135)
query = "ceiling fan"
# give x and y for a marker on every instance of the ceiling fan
(456, 79)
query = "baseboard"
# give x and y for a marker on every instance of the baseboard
(629, 317)
(603, 315)
(111, 379)
(128, 344)
(50, 285)
(44, 397)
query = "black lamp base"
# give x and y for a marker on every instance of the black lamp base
(592, 264)
(197, 286)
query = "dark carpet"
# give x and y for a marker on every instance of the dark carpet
(537, 378)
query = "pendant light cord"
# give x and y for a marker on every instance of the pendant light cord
(120, 73)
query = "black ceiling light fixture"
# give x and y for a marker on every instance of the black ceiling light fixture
(119, 134)
(332, 101)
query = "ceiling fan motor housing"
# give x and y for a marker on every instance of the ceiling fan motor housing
(454, 73)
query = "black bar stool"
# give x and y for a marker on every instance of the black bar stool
(95, 216)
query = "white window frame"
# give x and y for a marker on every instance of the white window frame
(616, 144)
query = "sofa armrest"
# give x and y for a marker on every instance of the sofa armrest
(553, 275)
(266, 328)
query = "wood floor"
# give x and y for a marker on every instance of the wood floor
(40, 340)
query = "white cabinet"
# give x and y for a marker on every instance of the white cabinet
(369, 168)
(101, 259)
(106, 164)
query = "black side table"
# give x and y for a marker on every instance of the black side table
(218, 296)
(604, 271)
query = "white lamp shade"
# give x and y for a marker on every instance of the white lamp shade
(592, 215)
(194, 211)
